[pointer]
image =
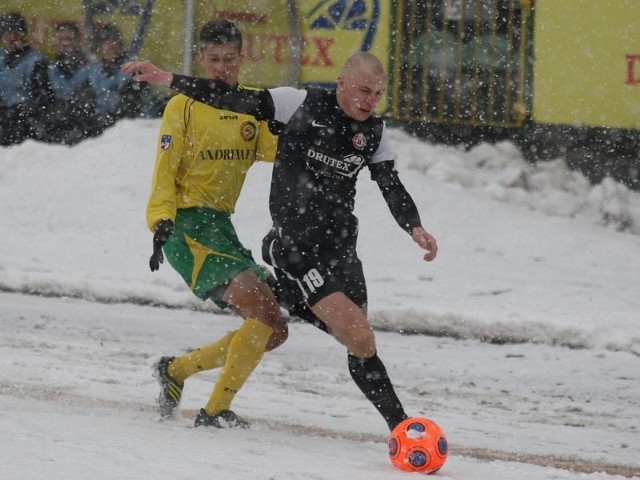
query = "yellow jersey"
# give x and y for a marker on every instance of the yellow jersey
(203, 157)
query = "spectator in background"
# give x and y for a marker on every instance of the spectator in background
(73, 115)
(116, 95)
(25, 90)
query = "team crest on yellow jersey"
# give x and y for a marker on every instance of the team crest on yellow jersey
(248, 131)
(165, 143)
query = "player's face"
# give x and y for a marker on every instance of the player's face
(359, 91)
(222, 62)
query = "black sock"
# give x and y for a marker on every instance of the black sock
(371, 377)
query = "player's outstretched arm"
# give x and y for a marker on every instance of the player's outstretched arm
(212, 92)
(147, 72)
(426, 241)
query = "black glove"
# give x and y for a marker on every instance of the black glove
(164, 229)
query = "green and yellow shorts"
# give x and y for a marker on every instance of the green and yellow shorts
(205, 250)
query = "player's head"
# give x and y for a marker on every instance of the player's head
(13, 31)
(220, 32)
(220, 45)
(360, 85)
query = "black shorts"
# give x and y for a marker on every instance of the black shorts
(309, 273)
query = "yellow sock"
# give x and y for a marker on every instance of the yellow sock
(205, 358)
(245, 352)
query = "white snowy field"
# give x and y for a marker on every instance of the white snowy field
(527, 353)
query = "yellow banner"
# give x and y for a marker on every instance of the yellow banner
(304, 41)
(41, 20)
(152, 29)
(269, 34)
(285, 41)
(587, 63)
(334, 30)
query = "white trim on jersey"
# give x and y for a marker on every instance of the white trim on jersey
(286, 101)
(384, 151)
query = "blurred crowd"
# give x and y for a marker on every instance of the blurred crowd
(75, 95)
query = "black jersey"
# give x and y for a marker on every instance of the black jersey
(321, 151)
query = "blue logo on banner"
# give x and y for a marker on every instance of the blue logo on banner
(348, 15)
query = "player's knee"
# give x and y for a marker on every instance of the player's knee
(261, 306)
(362, 344)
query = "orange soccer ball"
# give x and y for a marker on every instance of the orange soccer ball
(418, 445)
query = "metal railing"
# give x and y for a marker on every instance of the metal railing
(461, 62)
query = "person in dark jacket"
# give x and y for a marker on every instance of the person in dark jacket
(73, 116)
(326, 138)
(117, 96)
(25, 91)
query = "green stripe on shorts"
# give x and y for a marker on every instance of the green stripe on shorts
(205, 250)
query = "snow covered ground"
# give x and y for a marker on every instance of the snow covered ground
(522, 339)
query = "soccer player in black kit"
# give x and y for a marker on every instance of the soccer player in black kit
(326, 138)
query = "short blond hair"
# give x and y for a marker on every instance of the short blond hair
(364, 59)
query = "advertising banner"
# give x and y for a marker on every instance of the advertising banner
(285, 41)
(303, 41)
(151, 29)
(334, 30)
(587, 63)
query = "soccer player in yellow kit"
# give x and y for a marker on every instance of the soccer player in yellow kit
(203, 156)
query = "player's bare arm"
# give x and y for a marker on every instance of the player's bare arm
(145, 71)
